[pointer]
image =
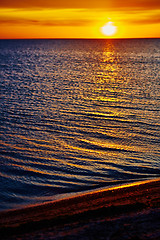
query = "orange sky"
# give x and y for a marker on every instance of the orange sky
(78, 19)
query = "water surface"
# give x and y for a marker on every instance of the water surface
(77, 115)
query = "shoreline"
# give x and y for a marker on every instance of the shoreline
(117, 202)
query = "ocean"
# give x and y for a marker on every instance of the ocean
(77, 115)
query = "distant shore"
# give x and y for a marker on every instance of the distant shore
(125, 212)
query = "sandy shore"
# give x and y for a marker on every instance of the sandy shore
(125, 212)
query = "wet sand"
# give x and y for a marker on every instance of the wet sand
(125, 212)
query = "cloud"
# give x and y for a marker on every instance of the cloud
(153, 19)
(90, 4)
(51, 23)
(136, 4)
(49, 4)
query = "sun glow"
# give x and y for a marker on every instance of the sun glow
(109, 29)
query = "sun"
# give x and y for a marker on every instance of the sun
(109, 29)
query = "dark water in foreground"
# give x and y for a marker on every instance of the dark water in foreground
(77, 115)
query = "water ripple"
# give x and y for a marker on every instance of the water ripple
(76, 115)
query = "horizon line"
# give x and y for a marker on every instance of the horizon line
(79, 38)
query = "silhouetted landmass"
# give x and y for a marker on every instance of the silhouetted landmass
(125, 212)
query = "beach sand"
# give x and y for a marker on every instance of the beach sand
(125, 212)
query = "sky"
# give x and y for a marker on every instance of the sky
(79, 19)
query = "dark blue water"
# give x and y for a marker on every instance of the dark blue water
(77, 115)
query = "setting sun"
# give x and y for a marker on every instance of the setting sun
(79, 19)
(109, 29)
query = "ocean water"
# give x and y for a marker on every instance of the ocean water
(77, 115)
